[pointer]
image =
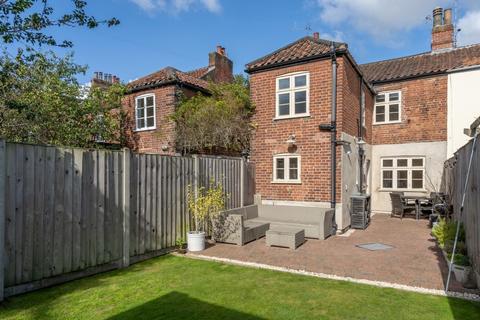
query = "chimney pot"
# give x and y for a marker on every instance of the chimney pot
(447, 17)
(437, 17)
(316, 35)
(221, 50)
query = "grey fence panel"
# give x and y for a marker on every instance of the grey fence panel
(64, 208)
(455, 171)
(55, 200)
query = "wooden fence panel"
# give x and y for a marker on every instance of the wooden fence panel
(455, 172)
(64, 208)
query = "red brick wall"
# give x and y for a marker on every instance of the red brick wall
(349, 113)
(423, 113)
(312, 145)
(151, 141)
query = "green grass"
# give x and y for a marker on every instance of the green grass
(172, 287)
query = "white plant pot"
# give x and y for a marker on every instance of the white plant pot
(461, 273)
(196, 241)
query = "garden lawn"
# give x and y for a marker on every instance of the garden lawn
(172, 287)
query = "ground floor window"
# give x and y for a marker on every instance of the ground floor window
(286, 168)
(404, 173)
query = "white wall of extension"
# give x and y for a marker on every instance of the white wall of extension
(463, 106)
(435, 156)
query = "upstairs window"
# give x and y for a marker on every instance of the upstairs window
(387, 107)
(286, 169)
(145, 112)
(292, 96)
(403, 173)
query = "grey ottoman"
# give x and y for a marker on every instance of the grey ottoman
(285, 237)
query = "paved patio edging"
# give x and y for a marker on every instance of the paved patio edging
(382, 284)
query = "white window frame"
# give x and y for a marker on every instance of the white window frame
(409, 168)
(144, 97)
(387, 104)
(291, 90)
(287, 158)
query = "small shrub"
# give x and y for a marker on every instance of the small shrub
(459, 259)
(205, 204)
(445, 231)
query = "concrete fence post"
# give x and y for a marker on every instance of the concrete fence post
(3, 182)
(242, 183)
(126, 208)
(196, 175)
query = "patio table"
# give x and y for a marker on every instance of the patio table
(418, 202)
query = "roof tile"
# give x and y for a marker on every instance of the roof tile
(422, 64)
(165, 76)
(305, 47)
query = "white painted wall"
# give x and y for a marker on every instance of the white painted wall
(463, 106)
(435, 156)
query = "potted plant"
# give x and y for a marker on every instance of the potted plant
(444, 232)
(203, 205)
(181, 245)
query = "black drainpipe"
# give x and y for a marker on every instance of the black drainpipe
(333, 139)
(332, 127)
(360, 138)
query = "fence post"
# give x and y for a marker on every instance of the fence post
(242, 183)
(126, 208)
(196, 174)
(3, 181)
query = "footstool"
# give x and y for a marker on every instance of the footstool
(289, 237)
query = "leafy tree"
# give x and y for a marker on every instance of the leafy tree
(216, 123)
(27, 21)
(42, 102)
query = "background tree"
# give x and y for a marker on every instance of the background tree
(40, 98)
(42, 102)
(27, 21)
(217, 123)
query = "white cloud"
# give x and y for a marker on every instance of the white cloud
(470, 28)
(177, 6)
(212, 5)
(379, 18)
(337, 36)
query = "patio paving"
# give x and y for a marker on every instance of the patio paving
(414, 260)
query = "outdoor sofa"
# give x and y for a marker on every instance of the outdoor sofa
(242, 225)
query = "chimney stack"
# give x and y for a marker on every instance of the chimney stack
(222, 66)
(316, 36)
(442, 31)
(104, 79)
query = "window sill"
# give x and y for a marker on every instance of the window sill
(403, 190)
(285, 182)
(145, 129)
(384, 123)
(292, 117)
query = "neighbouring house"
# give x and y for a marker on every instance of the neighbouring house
(151, 100)
(398, 120)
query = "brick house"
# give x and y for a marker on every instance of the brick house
(392, 120)
(151, 100)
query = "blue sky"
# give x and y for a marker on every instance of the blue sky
(180, 33)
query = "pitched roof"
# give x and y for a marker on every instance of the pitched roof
(300, 50)
(166, 76)
(429, 63)
(200, 72)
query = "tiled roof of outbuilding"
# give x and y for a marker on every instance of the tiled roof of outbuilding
(429, 63)
(302, 49)
(166, 76)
